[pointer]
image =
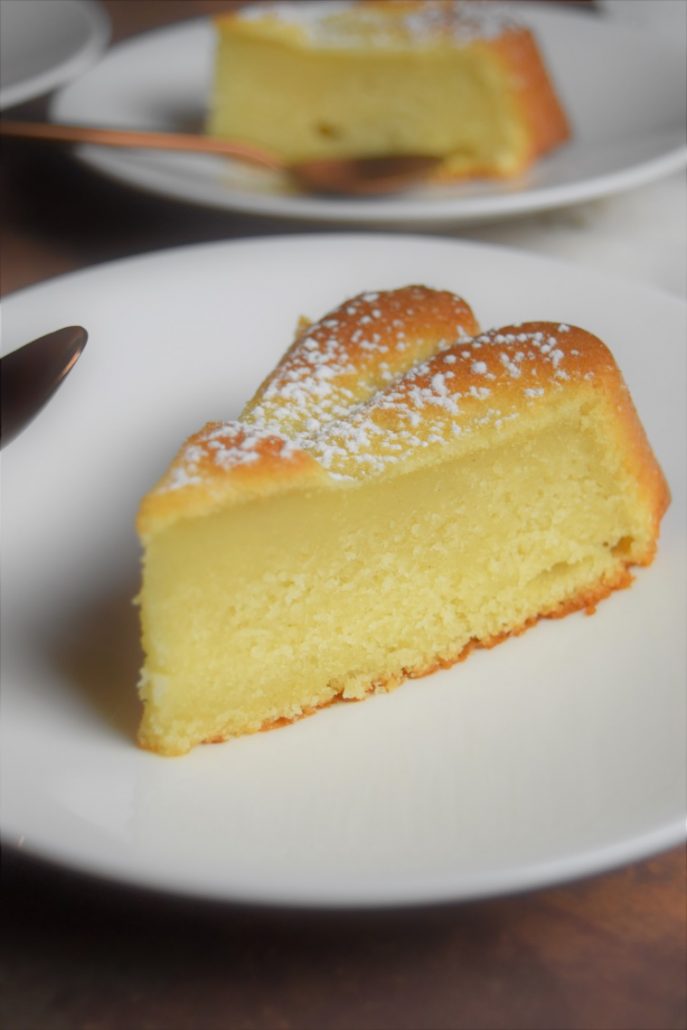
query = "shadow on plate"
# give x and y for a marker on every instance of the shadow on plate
(99, 655)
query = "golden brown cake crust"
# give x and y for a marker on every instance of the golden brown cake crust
(356, 350)
(537, 100)
(483, 384)
(473, 388)
(332, 365)
(224, 463)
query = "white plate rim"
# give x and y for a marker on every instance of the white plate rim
(532, 876)
(99, 29)
(313, 209)
(405, 210)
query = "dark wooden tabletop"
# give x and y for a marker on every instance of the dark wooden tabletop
(608, 953)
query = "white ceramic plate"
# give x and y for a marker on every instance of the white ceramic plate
(45, 43)
(624, 90)
(557, 754)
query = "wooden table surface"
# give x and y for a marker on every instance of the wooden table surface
(609, 952)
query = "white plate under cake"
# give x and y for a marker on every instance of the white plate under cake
(622, 135)
(558, 753)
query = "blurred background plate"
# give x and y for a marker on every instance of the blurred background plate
(45, 43)
(557, 754)
(624, 90)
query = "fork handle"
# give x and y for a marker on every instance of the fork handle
(147, 140)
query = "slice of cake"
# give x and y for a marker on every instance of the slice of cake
(456, 80)
(431, 492)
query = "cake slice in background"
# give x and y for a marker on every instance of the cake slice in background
(447, 78)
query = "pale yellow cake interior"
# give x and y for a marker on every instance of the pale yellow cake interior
(265, 609)
(318, 105)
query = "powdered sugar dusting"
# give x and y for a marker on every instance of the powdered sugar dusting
(431, 405)
(342, 23)
(358, 405)
(364, 345)
(223, 446)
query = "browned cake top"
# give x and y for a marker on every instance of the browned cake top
(378, 382)
(487, 380)
(354, 351)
